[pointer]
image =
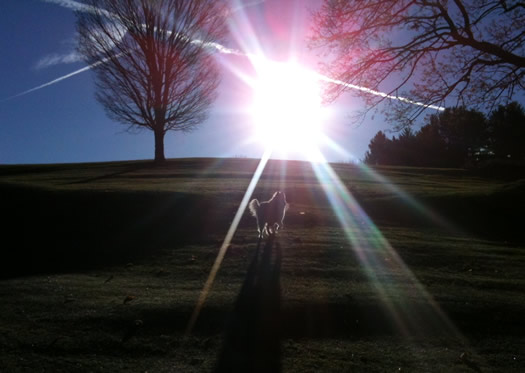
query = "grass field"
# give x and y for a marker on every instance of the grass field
(102, 265)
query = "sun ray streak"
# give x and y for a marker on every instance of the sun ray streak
(411, 201)
(227, 240)
(380, 261)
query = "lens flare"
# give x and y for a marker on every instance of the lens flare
(286, 109)
(380, 260)
(226, 243)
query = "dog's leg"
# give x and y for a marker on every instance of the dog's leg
(260, 229)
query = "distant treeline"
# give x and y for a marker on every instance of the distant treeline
(455, 137)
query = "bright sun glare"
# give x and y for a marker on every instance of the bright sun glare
(287, 109)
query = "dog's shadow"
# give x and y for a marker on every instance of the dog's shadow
(253, 342)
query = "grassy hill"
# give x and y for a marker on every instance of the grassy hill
(103, 263)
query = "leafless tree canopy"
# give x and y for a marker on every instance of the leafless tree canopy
(453, 52)
(154, 63)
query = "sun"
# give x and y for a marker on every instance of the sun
(286, 108)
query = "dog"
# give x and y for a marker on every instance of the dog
(269, 214)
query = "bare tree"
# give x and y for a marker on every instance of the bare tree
(153, 61)
(441, 52)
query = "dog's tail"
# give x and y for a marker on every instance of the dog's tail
(253, 206)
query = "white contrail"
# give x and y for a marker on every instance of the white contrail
(246, 5)
(221, 49)
(378, 93)
(57, 80)
(225, 50)
(70, 4)
(56, 59)
(72, 57)
(75, 5)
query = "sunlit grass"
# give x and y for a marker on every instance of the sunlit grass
(209, 174)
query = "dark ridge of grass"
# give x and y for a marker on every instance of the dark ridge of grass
(63, 217)
(495, 216)
(21, 169)
(56, 231)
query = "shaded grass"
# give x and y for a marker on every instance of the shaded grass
(328, 319)
(89, 236)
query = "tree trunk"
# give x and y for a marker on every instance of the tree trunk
(159, 146)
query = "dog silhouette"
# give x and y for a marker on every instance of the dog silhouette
(269, 214)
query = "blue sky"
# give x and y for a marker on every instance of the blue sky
(63, 123)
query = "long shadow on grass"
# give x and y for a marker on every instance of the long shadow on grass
(252, 341)
(121, 171)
